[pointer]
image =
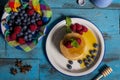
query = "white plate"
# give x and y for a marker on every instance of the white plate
(59, 61)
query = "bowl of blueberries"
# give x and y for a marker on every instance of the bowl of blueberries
(24, 26)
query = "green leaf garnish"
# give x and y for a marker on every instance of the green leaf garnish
(68, 24)
(74, 43)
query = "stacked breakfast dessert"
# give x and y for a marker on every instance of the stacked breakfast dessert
(79, 43)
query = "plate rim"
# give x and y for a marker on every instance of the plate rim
(94, 66)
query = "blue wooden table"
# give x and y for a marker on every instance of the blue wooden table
(106, 19)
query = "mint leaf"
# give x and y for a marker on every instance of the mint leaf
(68, 24)
(74, 43)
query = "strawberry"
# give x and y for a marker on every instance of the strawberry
(13, 36)
(68, 44)
(78, 27)
(33, 27)
(39, 23)
(73, 27)
(78, 40)
(85, 29)
(30, 12)
(17, 29)
(21, 40)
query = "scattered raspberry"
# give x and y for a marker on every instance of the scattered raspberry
(21, 40)
(30, 12)
(73, 27)
(13, 36)
(39, 23)
(33, 27)
(68, 44)
(17, 29)
(78, 40)
(78, 27)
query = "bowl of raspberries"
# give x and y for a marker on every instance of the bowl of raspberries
(24, 25)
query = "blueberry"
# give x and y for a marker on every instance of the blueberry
(32, 21)
(29, 31)
(94, 50)
(25, 37)
(30, 35)
(29, 7)
(70, 61)
(23, 11)
(33, 33)
(69, 66)
(95, 45)
(15, 13)
(24, 28)
(88, 57)
(18, 20)
(87, 64)
(11, 28)
(91, 51)
(26, 33)
(79, 61)
(89, 60)
(21, 34)
(10, 24)
(12, 17)
(38, 15)
(93, 56)
(25, 15)
(85, 60)
(29, 39)
(22, 18)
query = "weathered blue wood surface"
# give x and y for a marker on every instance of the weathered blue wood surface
(107, 20)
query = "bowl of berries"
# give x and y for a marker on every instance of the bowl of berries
(75, 46)
(23, 23)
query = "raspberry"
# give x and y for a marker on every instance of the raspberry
(78, 40)
(21, 40)
(78, 27)
(17, 29)
(68, 44)
(13, 36)
(30, 12)
(85, 29)
(33, 27)
(73, 27)
(39, 23)
(80, 32)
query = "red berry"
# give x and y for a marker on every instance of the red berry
(21, 40)
(85, 29)
(17, 29)
(78, 27)
(39, 23)
(13, 36)
(73, 27)
(80, 32)
(33, 27)
(68, 44)
(30, 12)
(78, 40)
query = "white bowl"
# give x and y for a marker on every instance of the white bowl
(59, 61)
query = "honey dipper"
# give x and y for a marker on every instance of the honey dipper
(105, 72)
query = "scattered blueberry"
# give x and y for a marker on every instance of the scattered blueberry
(93, 56)
(87, 64)
(70, 61)
(80, 61)
(91, 51)
(85, 60)
(69, 66)
(95, 45)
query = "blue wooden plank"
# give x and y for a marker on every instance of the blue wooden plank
(6, 64)
(73, 4)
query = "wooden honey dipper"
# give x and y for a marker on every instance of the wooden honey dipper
(105, 72)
